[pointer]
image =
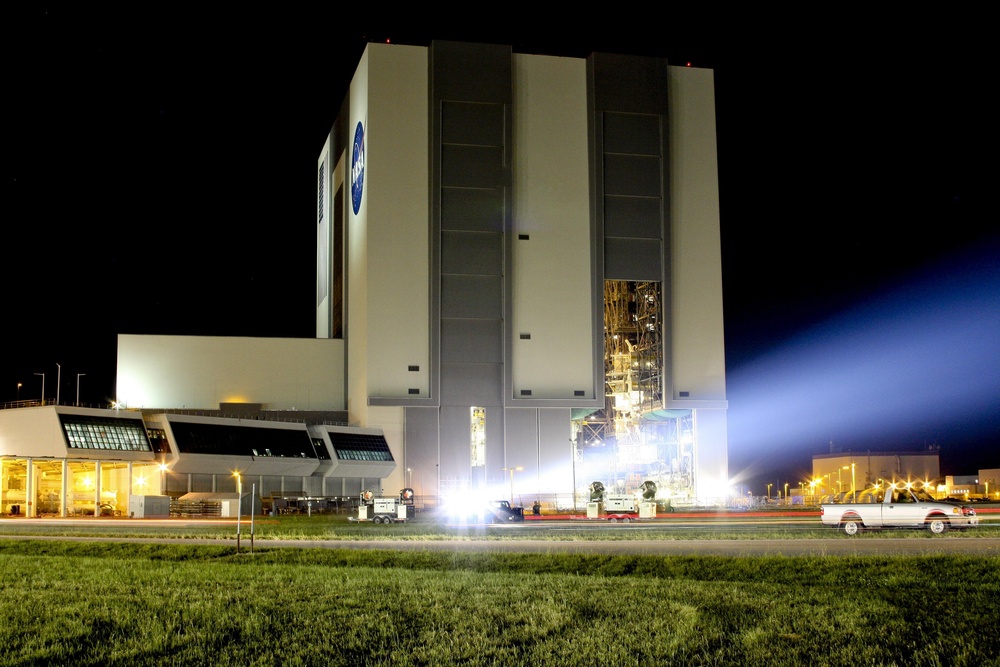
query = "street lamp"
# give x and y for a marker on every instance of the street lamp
(853, 488)
(78, 388)
(512, 471)
(786, 492)
(58, 381)
(572, 461)
(768, 491)
(239, 506)
(43, 386)
(19, 391)
(409, 478)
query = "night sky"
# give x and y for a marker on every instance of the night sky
(160, 174)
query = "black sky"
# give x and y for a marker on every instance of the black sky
(160, 169)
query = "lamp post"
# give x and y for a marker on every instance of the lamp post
(768, 491)
(78, 388)
(572, 460)
(58, 381)
(409, 478)
(853, 487)
(43, 386)
(239, 507)
(512, 471)
(786, 493)
(19, 391)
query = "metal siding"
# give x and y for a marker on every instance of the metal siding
(471, 166)
(471, 297)
(521, 443)
(421, 456)
(634, 134)
(471, 72)
(455, 440)
(633, 175)
(474, 124)
(633, 259)
(633, 217)
(471, 384)
(629, 84)
(475, 341)
(472, 209)
(471, 253)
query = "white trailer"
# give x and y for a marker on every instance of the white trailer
(383, 510)
(623, 507)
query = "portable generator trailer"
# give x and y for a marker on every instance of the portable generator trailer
(621, 507)
(386, 510)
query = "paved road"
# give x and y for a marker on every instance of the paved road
(833, 546)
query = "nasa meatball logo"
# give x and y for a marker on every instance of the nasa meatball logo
(358, 167)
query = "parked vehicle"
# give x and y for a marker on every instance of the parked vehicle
(898, 506)
(501, 511)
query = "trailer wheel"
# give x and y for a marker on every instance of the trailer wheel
(613, 519)
(625, 519)
(937, 525)
(851, 526)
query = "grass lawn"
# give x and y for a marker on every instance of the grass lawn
(114, 603)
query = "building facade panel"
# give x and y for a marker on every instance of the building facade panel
(632, 176)
(633, 217)
(472, 209)
(476, 341)
(550, 268)
(472, 123)
(632, 134)
(396, 243)
(471, 253)
(633, 259)
(464, 383)
(472, 297)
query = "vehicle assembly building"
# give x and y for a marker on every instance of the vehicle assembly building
(518, 293)
(521, 254)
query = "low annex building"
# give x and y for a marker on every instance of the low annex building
(70, 461)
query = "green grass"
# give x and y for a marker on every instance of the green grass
(117, 603)
(337, 527)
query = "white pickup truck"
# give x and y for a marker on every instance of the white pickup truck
(898, 506)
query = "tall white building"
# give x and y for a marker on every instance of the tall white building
(519, 292)
(521, 255)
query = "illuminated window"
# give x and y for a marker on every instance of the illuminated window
(477, 437)
(83, 432)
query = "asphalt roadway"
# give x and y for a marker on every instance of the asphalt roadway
(887, 544)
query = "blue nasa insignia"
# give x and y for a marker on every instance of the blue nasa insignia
(358, 167)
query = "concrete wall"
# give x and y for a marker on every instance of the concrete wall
(201, 372)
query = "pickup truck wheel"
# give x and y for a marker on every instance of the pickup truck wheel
(937, 525)
(850, 526)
